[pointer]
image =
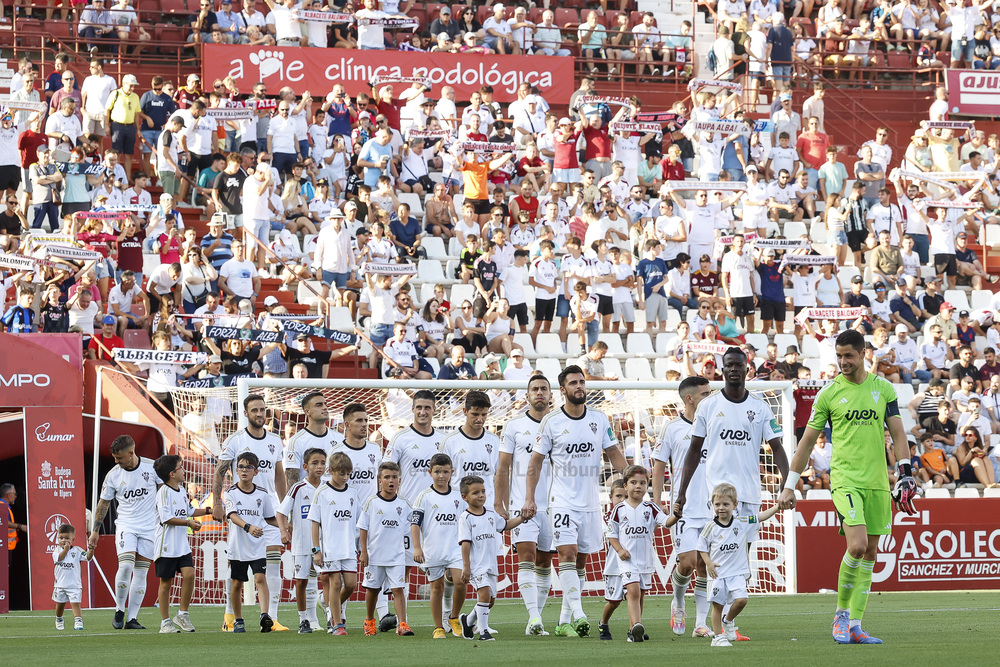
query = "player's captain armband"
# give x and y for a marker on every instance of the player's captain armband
(892, 409)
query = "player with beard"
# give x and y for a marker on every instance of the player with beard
(675, 439)
(574, 439)
(859, 407)
(315, 435)
(270, 475)
(729, 428)
(532, 539)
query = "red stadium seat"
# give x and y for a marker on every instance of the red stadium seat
(611, 19)
(421, 15)
(432, 10)
(535, 14)
(566, 16)
(137, 339)
(484, 13)
(173, 7)
(168, 33)
(807, 24)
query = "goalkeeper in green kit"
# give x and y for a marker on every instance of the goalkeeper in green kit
(859, 406)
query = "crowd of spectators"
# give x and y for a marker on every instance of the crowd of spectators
(570, 240)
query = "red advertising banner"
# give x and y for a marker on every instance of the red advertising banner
(973, 92)
(316, 70)
(950, 544)
(55, 489)
(41, 369)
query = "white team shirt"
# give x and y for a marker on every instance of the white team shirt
(437, 514)
(483, 532)
(474, 456)
(268, 450)
(733, 433)
(740, 269)
(336, 511)
(634, 527)
(574, 448)
(412, 451)
(727, 545)
(304, 440)
(364, 474)
(254, 507)
(135, 491)
(519, 436)
(573, 268)
(388, 526)
(295, 507)
(172, 541)
(675, 440)
(545, 273)
(67, 570)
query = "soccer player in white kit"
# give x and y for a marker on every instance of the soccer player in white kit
(729, 428)
(67, 585)
(473, 449)
(132, 482)
(296, 531)
(672, 448)
(315, 434)
(175, 516)
(270, 475)
(574, 439)
(533, 538)
(411, 449)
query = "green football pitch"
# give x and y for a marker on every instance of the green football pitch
(918, 628)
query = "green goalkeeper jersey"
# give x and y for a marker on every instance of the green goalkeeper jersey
(857, 414)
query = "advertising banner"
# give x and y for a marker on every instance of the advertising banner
(31, 373)
(949, 544)
(316, 70)
(973, 92)
(56, 489)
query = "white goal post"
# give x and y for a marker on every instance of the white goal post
(637, 411)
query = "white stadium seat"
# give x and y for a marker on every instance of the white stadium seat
(434, 245)
(819, 494)
(966, 492)
(937, 493)
(639, 345)
(614, 343)
(957, 298)
(548, 346)
(638, 369)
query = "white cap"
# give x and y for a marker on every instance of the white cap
(902, 328)
(271, 301)
(499, 5)
(531, 99)
(130, 80)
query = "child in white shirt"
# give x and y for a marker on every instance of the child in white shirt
(297, 530)
(68, 586)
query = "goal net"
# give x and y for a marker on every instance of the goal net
(637, 412)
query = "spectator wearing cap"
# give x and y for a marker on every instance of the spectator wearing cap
(444, 24)
(907, 356)
(45, 184)
(790, 364)
(856, 299)
(931, 299)
(943, 318)
(333, 258)
(786, 120)
(316, 361)
(903, 307)
(772, 292)
(102, 346)
(231, 23)
(122, 119)
(548, 37)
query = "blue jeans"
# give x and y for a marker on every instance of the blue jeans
(334, 278)
(921, 244)
(813, 177)
(958, 53)
(592, 331)
(283, 162)
(151, 137)
(735, 174)
(922, 376)
(46, 210)
(781, 73)
(674, 302)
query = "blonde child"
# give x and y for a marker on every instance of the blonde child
(723, 547)
(68, 586)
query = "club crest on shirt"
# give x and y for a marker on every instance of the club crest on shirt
(593, 427)
(270, 448)
(456, 504)
(875, 396)
(258, 503)
(399, 511)
(750, 415)
(645, 515)
(489, 448)
(371, 458)
(145, 476)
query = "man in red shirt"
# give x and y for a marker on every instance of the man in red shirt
(811, 146)
(28, 144)
(565, 165)
(102, 347)
(526, 201)
(598, 151)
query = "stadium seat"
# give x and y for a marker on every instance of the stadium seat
(794, 229)
(662, 339)
(460, 293)
(430, 271)
(573, 348)
(614, 343)
(660, 367)
(638, 369)
(426, 293)
(639, 345)
(613, 367)
(449, 270)
(549, 346)
(137, 339)
(819, 494)
(937, 493)
(957, 298)
(783, 341)
(673, 319)
(809, 348)
(304, 295)
(550, 368)
(759, 341)
(566, 16)
(981, 299)
(966, 492)
(341, 319)
(434, 245)
(413, 200)
(991, 492)
(524, 340)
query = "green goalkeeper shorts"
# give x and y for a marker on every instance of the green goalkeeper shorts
(871, 508)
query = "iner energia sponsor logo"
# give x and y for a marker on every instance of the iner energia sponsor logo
(265, 63)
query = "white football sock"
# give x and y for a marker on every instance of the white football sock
(482, 617)
(229, 600)
(543, 582)
(303, 616)
(272, 573)
(137, 590)
(312, 597)
(382, 604)
(701, 605)
(343, 611)
(526, 587)
(680, 583)
(570, 582)
(123, 580)
(471, 616)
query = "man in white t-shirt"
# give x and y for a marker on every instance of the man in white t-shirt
(371, 37)
(737, 278)
(257, 190)
(83, 312)
(238, 276)
(120, 300)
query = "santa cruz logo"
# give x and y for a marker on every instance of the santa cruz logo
(860, 415)
(734, 434)
(581, 448)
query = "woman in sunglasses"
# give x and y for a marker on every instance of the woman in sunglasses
(198, 279)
